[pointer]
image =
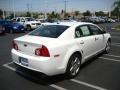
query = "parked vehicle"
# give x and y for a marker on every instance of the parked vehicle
(28, 22)
(94, 20)
(41, 20)
(11, 26)
(67, 20)
(2, 30)
(111, 20)
(61, 48)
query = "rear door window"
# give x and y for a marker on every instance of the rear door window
(82, 31)
(95, 30)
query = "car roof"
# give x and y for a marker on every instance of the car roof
(71, 23)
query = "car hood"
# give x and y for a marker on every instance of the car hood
(33, 21)
(15, 25)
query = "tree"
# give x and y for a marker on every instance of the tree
(77, 13)
(28, 14)
(1, 13)
(116, 9)
(87, 13)
(114, 12)
(52, 15)
(100, 13)
(11, 15)
(57, 15)
(66, 15)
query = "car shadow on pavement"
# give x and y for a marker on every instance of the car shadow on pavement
(42, 79)
(38, 77)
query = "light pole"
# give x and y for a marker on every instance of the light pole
(3, 14)
(31, 11)
(65, 3)
(13, 8)
(45, 12)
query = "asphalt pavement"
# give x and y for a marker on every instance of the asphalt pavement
(99, 73)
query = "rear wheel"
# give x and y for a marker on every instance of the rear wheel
(108, 47)
(73, 67)
(28, 27)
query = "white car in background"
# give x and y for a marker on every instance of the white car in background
(60, 48)
(28, 22)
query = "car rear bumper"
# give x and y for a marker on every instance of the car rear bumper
(46, 65)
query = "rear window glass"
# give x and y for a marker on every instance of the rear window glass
(52, 31)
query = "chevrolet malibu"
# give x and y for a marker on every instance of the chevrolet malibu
(60, 48)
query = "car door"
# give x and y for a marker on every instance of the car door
(99, 38)
(85, 40)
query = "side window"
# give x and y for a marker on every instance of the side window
(82, 31)
(85, 31)
(77, 32)
(95, 30)
(18, 20)
(22, 20)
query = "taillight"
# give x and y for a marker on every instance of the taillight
(14, 45)
(43, 51)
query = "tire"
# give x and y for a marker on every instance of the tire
(28, 28)
(108, 47)
(73, 67)
(11, 31)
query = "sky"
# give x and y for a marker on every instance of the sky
(57, 5)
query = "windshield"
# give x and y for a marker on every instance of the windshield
(52, 31)
(29, 19)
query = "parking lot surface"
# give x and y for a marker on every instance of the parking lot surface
(100, 73)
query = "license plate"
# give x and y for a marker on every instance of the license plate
(22, 29)
(23, 61)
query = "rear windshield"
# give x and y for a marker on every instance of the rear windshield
(52, 31)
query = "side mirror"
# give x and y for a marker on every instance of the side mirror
(103, 31)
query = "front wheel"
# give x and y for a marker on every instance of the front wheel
(28, 28)
(108, 47)
(11, 31)
(73, 67)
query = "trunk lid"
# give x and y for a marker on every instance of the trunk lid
(28, 44)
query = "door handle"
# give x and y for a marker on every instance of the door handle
(96, 38)
(81, 42)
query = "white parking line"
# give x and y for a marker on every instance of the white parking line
(112, 55)
(116, 60)
(7, 66)
(116, 37)
(115, 45)
(89, 85)
(58, 87)
(52, 85)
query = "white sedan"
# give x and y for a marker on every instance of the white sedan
(60, 48)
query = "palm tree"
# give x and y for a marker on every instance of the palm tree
(117, 4)
(117, 7)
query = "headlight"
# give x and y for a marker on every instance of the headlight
(15, 27)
